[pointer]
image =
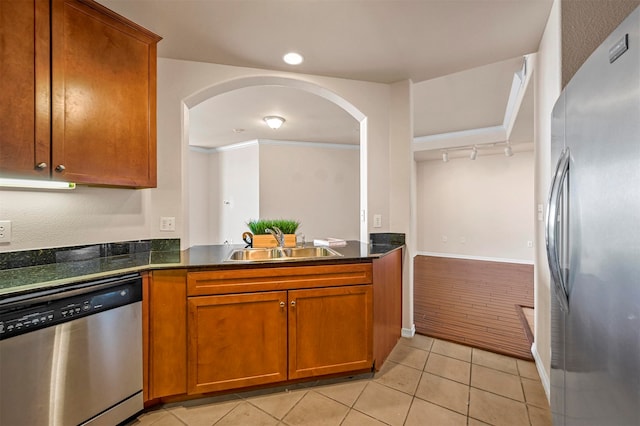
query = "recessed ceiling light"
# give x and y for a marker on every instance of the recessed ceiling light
(238, 130)
(293, 58)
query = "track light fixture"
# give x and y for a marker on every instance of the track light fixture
(492, 148)
(474, 153)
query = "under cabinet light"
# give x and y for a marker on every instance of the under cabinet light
(35, 184)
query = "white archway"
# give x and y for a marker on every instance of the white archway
(253, 81)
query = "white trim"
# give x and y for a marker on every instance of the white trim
(240, 145)
(408, 332)
(470, 257)
(480, 136)
(201, 149)
(484, 135)
(544, 378)
(327, 145)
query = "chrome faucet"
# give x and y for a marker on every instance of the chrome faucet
(277, 234)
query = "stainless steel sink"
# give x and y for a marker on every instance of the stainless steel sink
(299, 252)
(282, 254)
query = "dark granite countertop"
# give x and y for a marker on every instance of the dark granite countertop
(31, 278)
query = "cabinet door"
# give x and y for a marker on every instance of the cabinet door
(330, 330)
(24, 88)
(237, 340)
(104, 97)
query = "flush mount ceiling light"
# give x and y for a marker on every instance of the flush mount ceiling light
(274, 121)
(293, 58)
(474, 153)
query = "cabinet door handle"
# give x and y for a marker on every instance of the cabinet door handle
(41, 166)
(282, 304)
(60, 168)
(293, 303)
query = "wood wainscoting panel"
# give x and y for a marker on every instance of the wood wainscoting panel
(473, 302)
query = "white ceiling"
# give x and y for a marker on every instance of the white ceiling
(309, 118)
(460, 53)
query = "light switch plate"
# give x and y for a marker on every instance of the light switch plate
(377, 221)
(5, 231)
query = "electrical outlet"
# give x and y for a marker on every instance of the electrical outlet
(445, 239)
(167, 223)
(5, 231)
(530, 244)
(377, 221)
(463, 240)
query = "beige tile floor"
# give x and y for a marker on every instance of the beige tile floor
(425, 381)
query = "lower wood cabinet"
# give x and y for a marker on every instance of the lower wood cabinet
(236, 341)
(226, 329)
(330, 330)
(306, 322)
(167, 328)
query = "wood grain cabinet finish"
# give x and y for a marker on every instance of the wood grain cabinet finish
(100, 101)
(237, 341)
(330, 330)
(280, 324)
(24, 88)
(167, 334)
(387, 305)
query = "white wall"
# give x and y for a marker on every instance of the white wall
(43, 219)
(183, 84)
(89, 215)
(238, 180)
(487, 202)
(402, 189)
(199, 197)
(547, 76)
(317, 185)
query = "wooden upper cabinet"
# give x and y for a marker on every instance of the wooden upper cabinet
(103, 97)
(77, 94)
(24, 88)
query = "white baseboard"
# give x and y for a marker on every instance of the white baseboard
(544, 378)
(469, 257)
(408, 332)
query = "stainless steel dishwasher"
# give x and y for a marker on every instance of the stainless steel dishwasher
(72, 355)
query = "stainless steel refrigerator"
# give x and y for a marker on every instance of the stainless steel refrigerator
(593, 238)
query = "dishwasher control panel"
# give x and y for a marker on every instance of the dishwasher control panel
(37, 313)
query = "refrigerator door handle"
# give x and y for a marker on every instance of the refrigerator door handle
(551, 234)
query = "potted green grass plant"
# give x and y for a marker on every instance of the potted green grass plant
(262, 238)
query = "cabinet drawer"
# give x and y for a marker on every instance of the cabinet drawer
(279, 278)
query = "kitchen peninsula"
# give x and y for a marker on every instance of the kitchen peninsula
(210, 325)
